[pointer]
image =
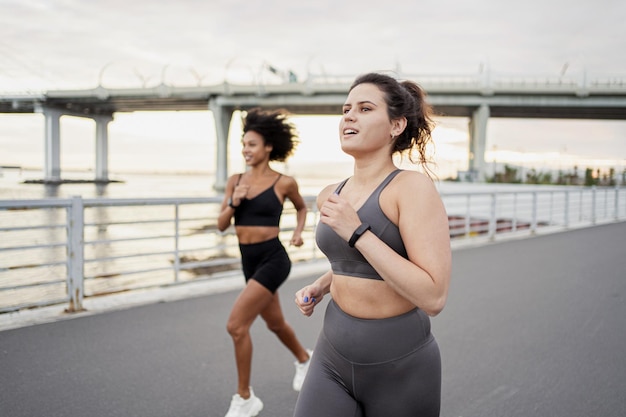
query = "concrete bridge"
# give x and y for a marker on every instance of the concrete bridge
(477, 97)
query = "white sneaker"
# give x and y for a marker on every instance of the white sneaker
(301, 370)
(249, 407)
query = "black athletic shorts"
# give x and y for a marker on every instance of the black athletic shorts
(266, 262)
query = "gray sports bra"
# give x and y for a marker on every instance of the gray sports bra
(345, 260)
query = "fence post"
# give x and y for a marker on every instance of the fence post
(580, 204)
(593, 204)
(616, 202)
(514, 225)
(551, 207)
(566, 214)
(492, 219)
(468, 216)
(533, 223)
(75, 255)
(176, 241)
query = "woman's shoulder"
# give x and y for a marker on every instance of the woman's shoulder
(234, 178)
(410, 182)
(286, 184)
(326, 192)
(409, 176)
(330, 188)
(285, 179)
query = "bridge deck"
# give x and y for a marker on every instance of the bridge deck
(524, 98)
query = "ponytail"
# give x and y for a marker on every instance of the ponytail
(406, 99)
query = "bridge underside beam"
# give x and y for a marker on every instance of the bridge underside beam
(588, 113)
(331, 105)
(520, 106)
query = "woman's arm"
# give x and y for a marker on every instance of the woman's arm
(226, 212)
(314, 293)
(424, 277)
(293, 194)
(310, 296)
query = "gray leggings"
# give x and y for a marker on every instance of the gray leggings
(372, 368)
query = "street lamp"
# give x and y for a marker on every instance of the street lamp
(100, 75)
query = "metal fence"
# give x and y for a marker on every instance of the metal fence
(56, 251)
(491, 213)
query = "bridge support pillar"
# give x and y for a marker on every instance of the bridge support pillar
(222, 116)
(102, 147)
(477, 143)
(52, 163)
(52, 139)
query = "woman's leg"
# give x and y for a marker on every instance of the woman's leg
(326, 391)
(406, 387)
(390, 366)
(252, 300)
(273, 316)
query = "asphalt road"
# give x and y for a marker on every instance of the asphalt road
(532, 327)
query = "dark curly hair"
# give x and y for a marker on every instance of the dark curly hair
(275, 129)
(405, 99)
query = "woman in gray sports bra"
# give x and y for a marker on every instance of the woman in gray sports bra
(385, 233)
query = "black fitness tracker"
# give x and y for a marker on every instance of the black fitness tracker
(364, 227)
(230, 203)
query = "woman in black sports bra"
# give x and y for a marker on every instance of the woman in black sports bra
(385, 233)
(255, 200)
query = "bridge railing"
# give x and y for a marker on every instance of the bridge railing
(59, 251)
(62, 250)
(581, 84)
(488, 214)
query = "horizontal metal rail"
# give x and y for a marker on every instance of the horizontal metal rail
(63, 250)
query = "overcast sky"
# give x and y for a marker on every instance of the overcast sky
(66, 44)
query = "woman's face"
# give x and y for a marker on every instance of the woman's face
(254, 149)
(365, 125)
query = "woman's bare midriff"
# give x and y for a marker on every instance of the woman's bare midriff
(255, 234)
(367, 298)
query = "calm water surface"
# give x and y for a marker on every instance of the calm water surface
(132, 185)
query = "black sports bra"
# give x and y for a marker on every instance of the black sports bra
(263, 210)
(345, 260)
